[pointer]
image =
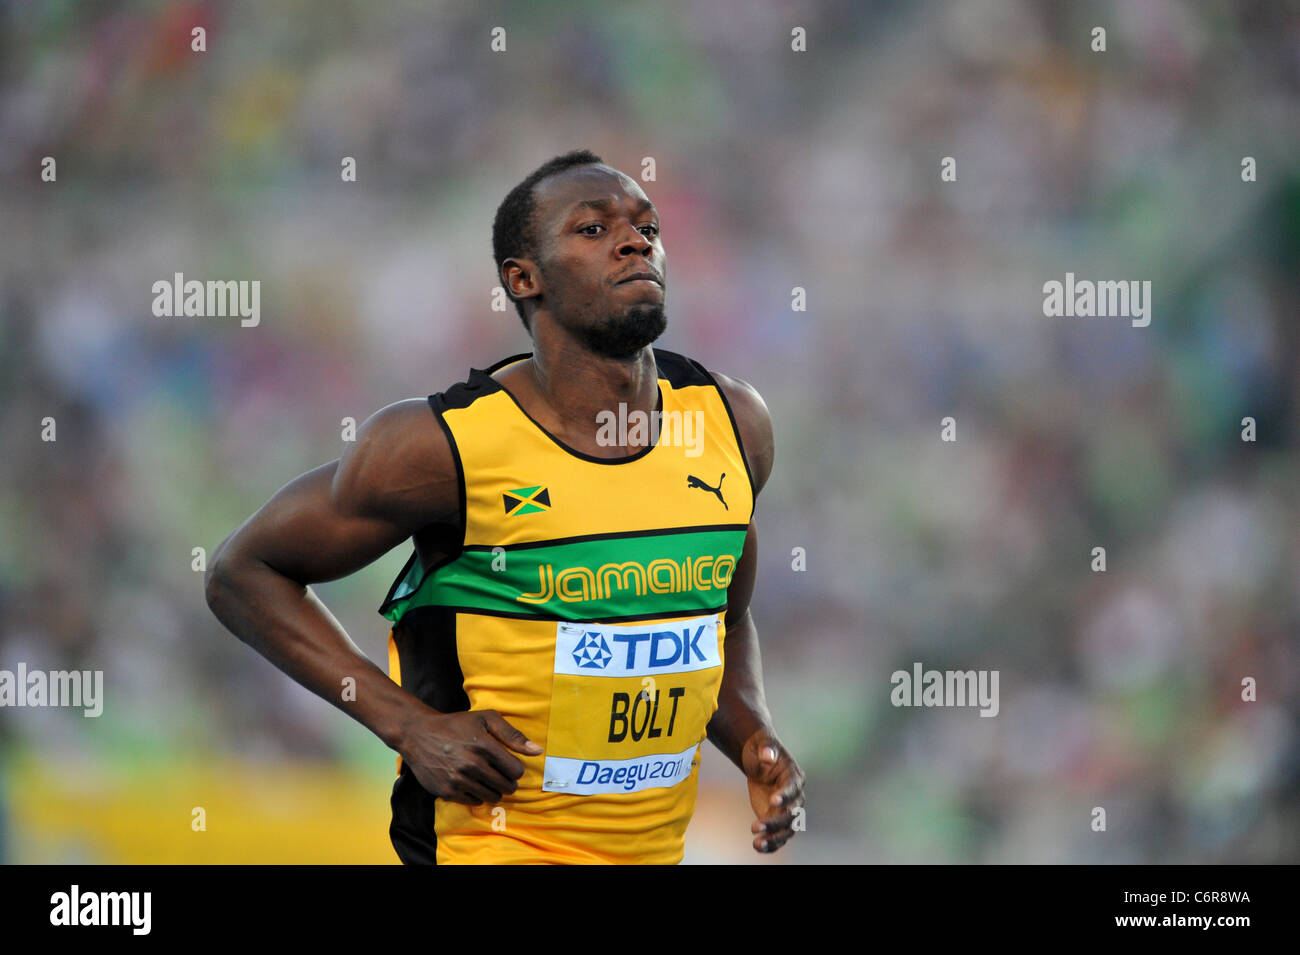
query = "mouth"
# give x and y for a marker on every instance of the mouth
(642, 278)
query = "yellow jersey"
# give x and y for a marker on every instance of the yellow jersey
(587, 603)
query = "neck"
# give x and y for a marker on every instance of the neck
(571, 385)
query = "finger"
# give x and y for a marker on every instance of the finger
(499, 758)
(462, 798)
(769, 761)
(771, 843)
(472, 792)
(464, 791)
(774, 836)
(772, 823)
(491, 783)
(789, 792)
(498, 727)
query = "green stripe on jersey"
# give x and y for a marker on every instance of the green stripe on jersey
(581, 580)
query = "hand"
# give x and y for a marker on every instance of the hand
(465, 757)
(775, 790)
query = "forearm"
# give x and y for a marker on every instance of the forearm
(285, 622)
(742, 707)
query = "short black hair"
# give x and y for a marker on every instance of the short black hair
(513, 230)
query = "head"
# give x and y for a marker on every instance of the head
(565, 242)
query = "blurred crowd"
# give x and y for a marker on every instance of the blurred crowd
(774, 170)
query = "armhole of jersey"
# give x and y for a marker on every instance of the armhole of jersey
(740, 442)
(436, 404)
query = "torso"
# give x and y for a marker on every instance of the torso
(601, 633)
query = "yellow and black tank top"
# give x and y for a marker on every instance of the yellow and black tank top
(586, 602)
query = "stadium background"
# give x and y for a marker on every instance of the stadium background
(774, 170)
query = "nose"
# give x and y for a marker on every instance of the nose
(634, 243)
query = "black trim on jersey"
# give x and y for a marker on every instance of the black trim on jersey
(430, 670)
(740, 442)
(406, 569)
(401, 576)
(627, 459)
(552, 618)
(426, 654)
(412, 830)
(678, 370)
(609, 535)
(438, 403)
(681, 372)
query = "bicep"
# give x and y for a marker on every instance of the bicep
(396, 478)
(309, 533)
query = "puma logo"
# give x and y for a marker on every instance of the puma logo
(693, 481)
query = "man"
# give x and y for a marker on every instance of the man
(560, 631)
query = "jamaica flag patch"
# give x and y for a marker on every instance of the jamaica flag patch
(527, 500)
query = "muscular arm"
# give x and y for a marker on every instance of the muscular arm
(742, 707)
(323, 525)
(742, 726)
(398, 477)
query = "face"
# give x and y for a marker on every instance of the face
(595, 230)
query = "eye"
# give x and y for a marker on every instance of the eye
(654, 229)
(594, 225)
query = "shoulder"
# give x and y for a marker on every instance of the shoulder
(400, 467)
(753, 421)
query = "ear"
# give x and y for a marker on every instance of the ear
(521, 278)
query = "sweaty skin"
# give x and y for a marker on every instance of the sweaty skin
(398, 481)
